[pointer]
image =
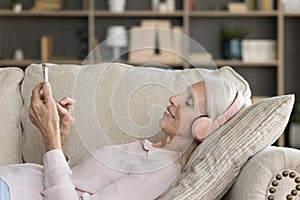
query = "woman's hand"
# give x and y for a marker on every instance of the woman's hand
(65, 107)
(44, 115)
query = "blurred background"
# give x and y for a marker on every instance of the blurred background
(258, 38)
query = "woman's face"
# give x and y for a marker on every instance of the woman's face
(183, 109)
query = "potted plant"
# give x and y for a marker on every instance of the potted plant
(294, 132)
(232, 42)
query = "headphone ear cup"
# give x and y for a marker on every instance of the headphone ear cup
(201, 128)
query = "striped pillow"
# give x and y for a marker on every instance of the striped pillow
(215, 164)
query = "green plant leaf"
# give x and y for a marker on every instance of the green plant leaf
(230, 33)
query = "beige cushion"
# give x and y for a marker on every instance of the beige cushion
(10, 115)
(114, 105)
(256, 177)
(215, 164)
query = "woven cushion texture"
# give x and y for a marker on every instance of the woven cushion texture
(10, 117)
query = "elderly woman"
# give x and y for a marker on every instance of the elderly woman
(138, 170)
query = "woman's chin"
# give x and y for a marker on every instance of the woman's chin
(162, 122)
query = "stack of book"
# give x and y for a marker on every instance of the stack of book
(258, 50)
(48, 4)
(161, 43)
(237, 7)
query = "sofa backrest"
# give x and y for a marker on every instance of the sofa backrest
(115, 103)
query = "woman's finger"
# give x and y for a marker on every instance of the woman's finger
(48, 94)
(35, 97)
(67, 103)
(61, 109)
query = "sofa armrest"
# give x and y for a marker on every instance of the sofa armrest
(273, 173)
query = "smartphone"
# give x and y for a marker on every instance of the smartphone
(45, 72)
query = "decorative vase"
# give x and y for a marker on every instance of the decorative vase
(155, 5)
(17, 7)
(18, 54)
(116, 6)
(232, 49)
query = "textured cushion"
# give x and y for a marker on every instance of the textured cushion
(215, 164)
(10, 115)
(257, 176)
(115, 104)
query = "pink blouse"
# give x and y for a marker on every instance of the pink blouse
(104, 174)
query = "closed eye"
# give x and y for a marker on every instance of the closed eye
(189, 101)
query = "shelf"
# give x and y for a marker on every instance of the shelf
(30, 13)
(219, 13)
(138, 13)
(292, 14)
(238, 63)
(26, 62)
(219, 63)
(173, 64)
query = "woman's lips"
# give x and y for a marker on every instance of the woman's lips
(169, 114)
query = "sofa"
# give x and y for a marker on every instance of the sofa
(118, 103)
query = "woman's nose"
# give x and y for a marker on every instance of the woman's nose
(174, 101)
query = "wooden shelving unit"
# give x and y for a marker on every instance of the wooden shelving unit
(194, 23)
(26, 62)
(184, 14)
(138, 13)
(233, 14)
(29, 13)
(292, 14)
(246, 64)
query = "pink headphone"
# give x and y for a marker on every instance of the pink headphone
(203, 126)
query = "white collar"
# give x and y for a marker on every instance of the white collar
(136, 157)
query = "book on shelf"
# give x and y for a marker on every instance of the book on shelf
(96, 56)
(258, 50)
(160, 42)
(166, 41)
(85, 4)
(46, 47)
(250, 4)
(237, 7)
(192, 5)
(48, 5)
(137, 45)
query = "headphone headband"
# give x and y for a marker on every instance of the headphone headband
(233, 109)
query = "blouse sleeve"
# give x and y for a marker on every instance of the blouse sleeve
(139, 186)
(57, 181)
(58, 184)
